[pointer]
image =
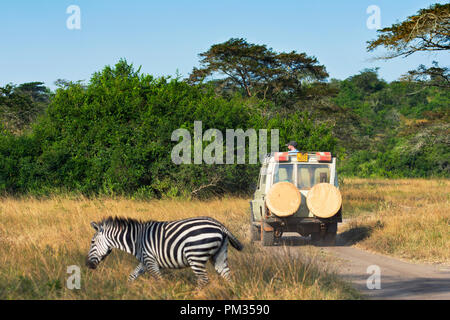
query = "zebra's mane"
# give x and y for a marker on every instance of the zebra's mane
(120, 222)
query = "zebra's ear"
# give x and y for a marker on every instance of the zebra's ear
(95, 226)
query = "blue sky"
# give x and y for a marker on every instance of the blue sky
(166, 36)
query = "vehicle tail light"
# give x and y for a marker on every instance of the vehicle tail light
(323, 156)
(281, 156)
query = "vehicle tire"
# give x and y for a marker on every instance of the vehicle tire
(267, 237)
(315, 238)
(255, 233)
(329, 239)
(255, 230)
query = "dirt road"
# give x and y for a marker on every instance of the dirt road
(398, 279)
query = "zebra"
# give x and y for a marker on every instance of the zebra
(160, 245)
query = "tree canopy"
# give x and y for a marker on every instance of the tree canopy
(21, 105)
(432, 76)
(256, 69)
(428, 30)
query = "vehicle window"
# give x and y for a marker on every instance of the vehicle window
(304, 177)
(262, 179)
(310, 175)
(284, 172)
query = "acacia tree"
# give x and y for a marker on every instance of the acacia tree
(428, 30)
(435, 76)
(256, 69)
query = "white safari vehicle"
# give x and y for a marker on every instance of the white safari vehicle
(296, 192)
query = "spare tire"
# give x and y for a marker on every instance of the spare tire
(283, 199)
(324, 200)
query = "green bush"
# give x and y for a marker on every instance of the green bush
(113, 136)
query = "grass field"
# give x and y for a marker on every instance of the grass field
(407, 218)
(39, 239)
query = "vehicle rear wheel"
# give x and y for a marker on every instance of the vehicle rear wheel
(315, 237)
(267, 237)
(255, 230)
(327, 239)
(255, 233)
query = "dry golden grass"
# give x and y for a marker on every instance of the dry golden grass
(407, 218)
(39, 239)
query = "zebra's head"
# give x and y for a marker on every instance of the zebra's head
(100, 247)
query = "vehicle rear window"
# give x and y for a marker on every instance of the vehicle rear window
(284, 172)
(310, 175)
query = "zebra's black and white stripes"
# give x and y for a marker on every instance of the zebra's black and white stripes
(167, 244)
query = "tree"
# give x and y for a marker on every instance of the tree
(434, 76)
(428, 30)
(37, 90)
(256, 69)
(20, 105)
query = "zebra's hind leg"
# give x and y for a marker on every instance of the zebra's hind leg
(199, 268)
(140, 269)
(220, 261)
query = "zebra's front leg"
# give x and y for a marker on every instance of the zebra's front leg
(152, 266)
(140, 269)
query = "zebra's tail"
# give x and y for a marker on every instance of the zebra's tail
(233, 240)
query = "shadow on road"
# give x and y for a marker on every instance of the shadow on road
(353, 235)
(344, 239)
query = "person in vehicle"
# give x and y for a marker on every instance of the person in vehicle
(292, 146)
